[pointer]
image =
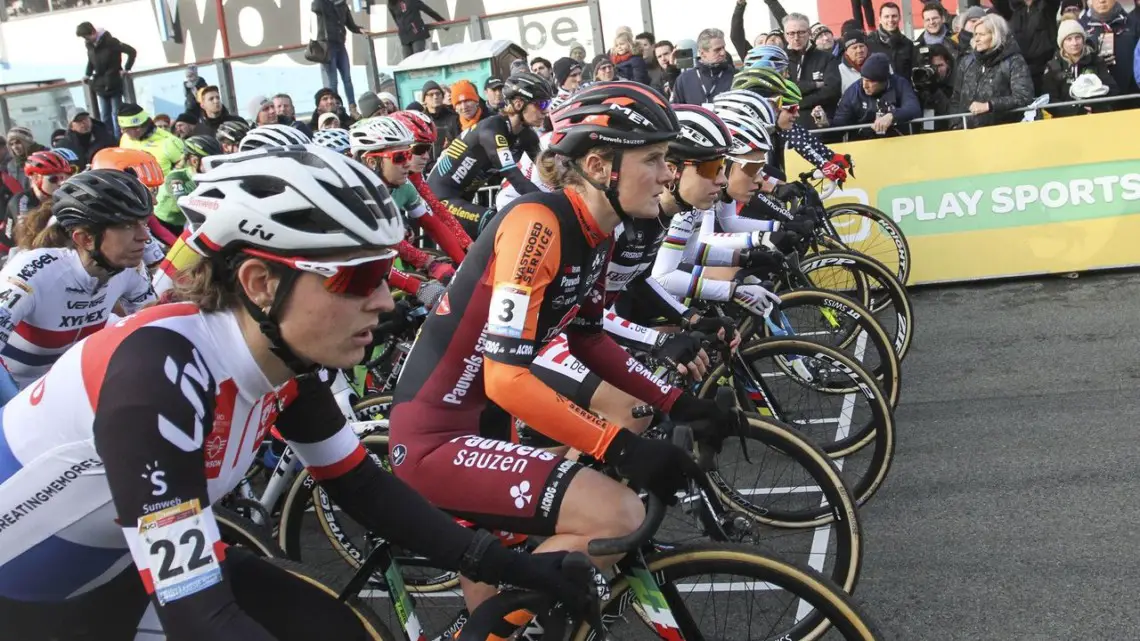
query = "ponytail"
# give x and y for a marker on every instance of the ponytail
(38, 229)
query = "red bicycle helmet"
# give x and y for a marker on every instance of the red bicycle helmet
(46, 163)
(421, 124)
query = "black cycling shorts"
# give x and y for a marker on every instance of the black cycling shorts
(290, 608)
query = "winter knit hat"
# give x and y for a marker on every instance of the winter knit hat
(385, 96)
(20, 133)
(463, 90)
(973, 13)
(327, 116)
(1069, 5)
(321, 93)
(1068, 28)
(877, 68)
(853, 38)
(431, 85)
(563, 67)
(368, 103)
(255, 105)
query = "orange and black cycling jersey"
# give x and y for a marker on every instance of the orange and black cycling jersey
(537, 271)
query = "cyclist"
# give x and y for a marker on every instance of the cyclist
(384, 145)
(152, 420)
(144, 167)
(335, 139)
(230, 134)
(443, 228)
(180, 181)
(73, 269)
(272, 135)
(693, 243)
(45, 171)
(489, 151)
(786, 97)
(538, 271)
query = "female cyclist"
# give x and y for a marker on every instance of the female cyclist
(230, 134)
(45, 171)
(384, 145)
(539, 271)
(489, 151)
(694, 241)
(70, 156)
(73, 270)
(144, 167)
(155, 418)
(442, 228)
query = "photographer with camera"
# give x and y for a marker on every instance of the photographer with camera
(882, 99)
(711, 75)
(933, 80)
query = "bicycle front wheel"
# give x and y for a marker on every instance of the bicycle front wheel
(718, 591)
(871, 232)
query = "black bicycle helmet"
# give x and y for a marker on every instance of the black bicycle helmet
(704, 136)
(202, 146)
(232, 131)
(618, 114)
(100, 198)
(531, 87)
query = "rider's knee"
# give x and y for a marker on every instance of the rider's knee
(628, 513)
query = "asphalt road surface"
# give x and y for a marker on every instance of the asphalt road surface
(1011, 509)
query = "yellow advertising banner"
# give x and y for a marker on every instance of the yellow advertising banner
(1053, 196)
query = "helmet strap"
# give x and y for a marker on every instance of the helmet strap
(610, 190)
(99, 259)
(675, 190)
(269, 321)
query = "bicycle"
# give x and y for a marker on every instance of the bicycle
(649, 582)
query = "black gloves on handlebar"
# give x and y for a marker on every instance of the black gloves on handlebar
(678, 348)
(711, 326)
(650, 464)
(711, 423)
(802, 226)
(397, 321)
(761, 258)
(486, 560)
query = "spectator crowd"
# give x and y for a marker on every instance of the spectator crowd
(982, 66)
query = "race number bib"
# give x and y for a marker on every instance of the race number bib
(179, 544)
(507, 315)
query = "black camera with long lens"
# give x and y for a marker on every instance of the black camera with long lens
(924, 76)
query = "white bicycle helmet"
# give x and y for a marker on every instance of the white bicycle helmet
(746, 103)
(278, 135)
(335, 139)
(378, 134)
(292, 201)
(767, 57)
(748, 133)
(703, 135)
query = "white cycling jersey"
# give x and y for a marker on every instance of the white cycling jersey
(48, 302)
(680, 262)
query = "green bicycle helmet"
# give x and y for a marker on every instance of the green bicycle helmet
(769, 83)
(792, 94)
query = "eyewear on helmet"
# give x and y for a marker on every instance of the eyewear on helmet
(356, 277)
(708, 169)
(420, 148)
(543, 105)
(401, 157)
(792, 109)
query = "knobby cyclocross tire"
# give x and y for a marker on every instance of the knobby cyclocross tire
(373, 407)
(832, 608)
(240, 531)
(893, 251)
(838, 322)
(839, 511)
(369, 620)
(888, 300)
(305, 494)
(880, 436)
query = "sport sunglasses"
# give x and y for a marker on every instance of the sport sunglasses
(401, 157)
(750, 167)
(708, 169)
(420, 148)
(356, 277)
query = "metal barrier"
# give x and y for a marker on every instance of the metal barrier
(846, 129)
(478, 28)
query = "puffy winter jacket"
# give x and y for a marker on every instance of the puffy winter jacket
(809, 69)
(998, 76)
(1059, 77)
(632, 68)
(703, 82)
(859, 108)
(896, 46)
(105, 64)
(1035, 28)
